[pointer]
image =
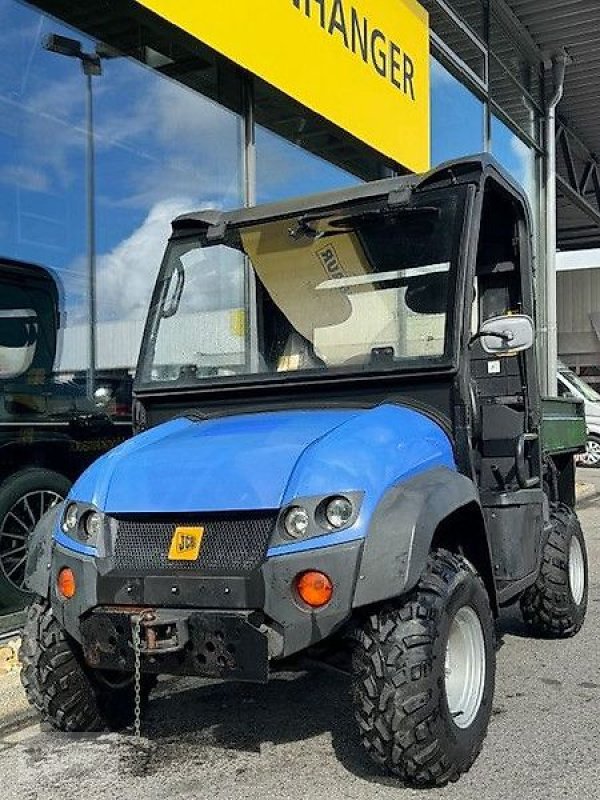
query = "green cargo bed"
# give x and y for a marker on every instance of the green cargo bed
(563, 425)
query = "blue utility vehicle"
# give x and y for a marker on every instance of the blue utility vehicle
(341, 445)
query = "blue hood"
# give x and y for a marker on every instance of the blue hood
(263, 460)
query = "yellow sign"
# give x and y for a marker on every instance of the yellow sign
(362, 64)
(185, 544)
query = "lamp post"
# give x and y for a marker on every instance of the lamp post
(92, 66)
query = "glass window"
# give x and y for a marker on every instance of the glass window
(42, 156)
(506, 50)
(359, 292)
(457, 117)
(287, 170)
(176, 151)
(510, 99)
(515, 156)
(459, 39)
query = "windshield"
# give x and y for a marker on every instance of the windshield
(367, 291)
(580, 385)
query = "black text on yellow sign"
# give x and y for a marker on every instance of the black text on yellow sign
(368, 42)
(363, 65)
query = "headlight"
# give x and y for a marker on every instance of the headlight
(296, 522)
(92, 525)
(338, 512)
(70, 518)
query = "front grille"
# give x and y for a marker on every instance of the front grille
(228, 545)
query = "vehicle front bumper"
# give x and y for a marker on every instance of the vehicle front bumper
(220, 626)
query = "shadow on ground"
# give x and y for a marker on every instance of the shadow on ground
(241, 718)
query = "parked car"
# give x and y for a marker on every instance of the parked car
(572, 385)
(49, 430)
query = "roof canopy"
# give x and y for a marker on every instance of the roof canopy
(573, 25)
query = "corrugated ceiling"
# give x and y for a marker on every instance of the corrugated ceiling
(574, 25)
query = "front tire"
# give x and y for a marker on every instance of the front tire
(67, 693)
(424, 674)
(556, 604)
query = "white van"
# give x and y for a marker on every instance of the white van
(571, 384)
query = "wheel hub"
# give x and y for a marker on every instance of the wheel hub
(591, 457)
(576, 570)
(465, 667)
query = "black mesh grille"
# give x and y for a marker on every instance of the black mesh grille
(228, 545)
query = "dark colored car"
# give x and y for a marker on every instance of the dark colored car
(49, 430)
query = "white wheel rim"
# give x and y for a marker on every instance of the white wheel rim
(591, 457)
(576, 570)
(465, 667)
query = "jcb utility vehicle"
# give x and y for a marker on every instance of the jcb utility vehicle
(49, 430)
(350, 446)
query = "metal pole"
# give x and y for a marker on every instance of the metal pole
(91, 237)
(250, 195)
(559, 65)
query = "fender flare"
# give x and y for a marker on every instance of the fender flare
(401, 532)
(39, 553)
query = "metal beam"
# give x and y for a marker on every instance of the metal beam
(578, 200)
(578, 185)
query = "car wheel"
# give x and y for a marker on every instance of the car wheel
(591, 457)
(24, 499)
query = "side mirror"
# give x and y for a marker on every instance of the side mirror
(18, 341)
(506, 335)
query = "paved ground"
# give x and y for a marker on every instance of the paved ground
(295, 738)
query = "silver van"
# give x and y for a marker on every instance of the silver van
(571, 384)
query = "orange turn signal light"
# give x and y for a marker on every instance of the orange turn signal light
(66, 583)
(314, 588)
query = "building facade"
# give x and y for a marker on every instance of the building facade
(176, 126)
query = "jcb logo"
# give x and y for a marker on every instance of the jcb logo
(185, 544)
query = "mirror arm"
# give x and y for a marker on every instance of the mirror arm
(480, 334)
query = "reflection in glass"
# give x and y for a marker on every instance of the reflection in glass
(287, 170)
(457, 117)
(514, 155)
(342, 292)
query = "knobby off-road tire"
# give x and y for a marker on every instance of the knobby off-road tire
(556, 604)
(401, 686)
(67, 693)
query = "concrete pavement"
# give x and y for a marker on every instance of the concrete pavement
(295, 737)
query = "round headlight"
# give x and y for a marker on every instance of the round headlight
(296, 522)
(92, 524)
(338, 512)
(70, 518)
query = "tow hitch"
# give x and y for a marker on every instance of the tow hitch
(229, 645)
(160, 633)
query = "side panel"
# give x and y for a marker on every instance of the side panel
(402, 529)
(39, 554)
(515, 521)
(563, 425)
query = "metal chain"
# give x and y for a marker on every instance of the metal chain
(137, 675)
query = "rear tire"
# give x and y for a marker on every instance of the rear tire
(415, 718)
(556, 604)
(67, 693)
